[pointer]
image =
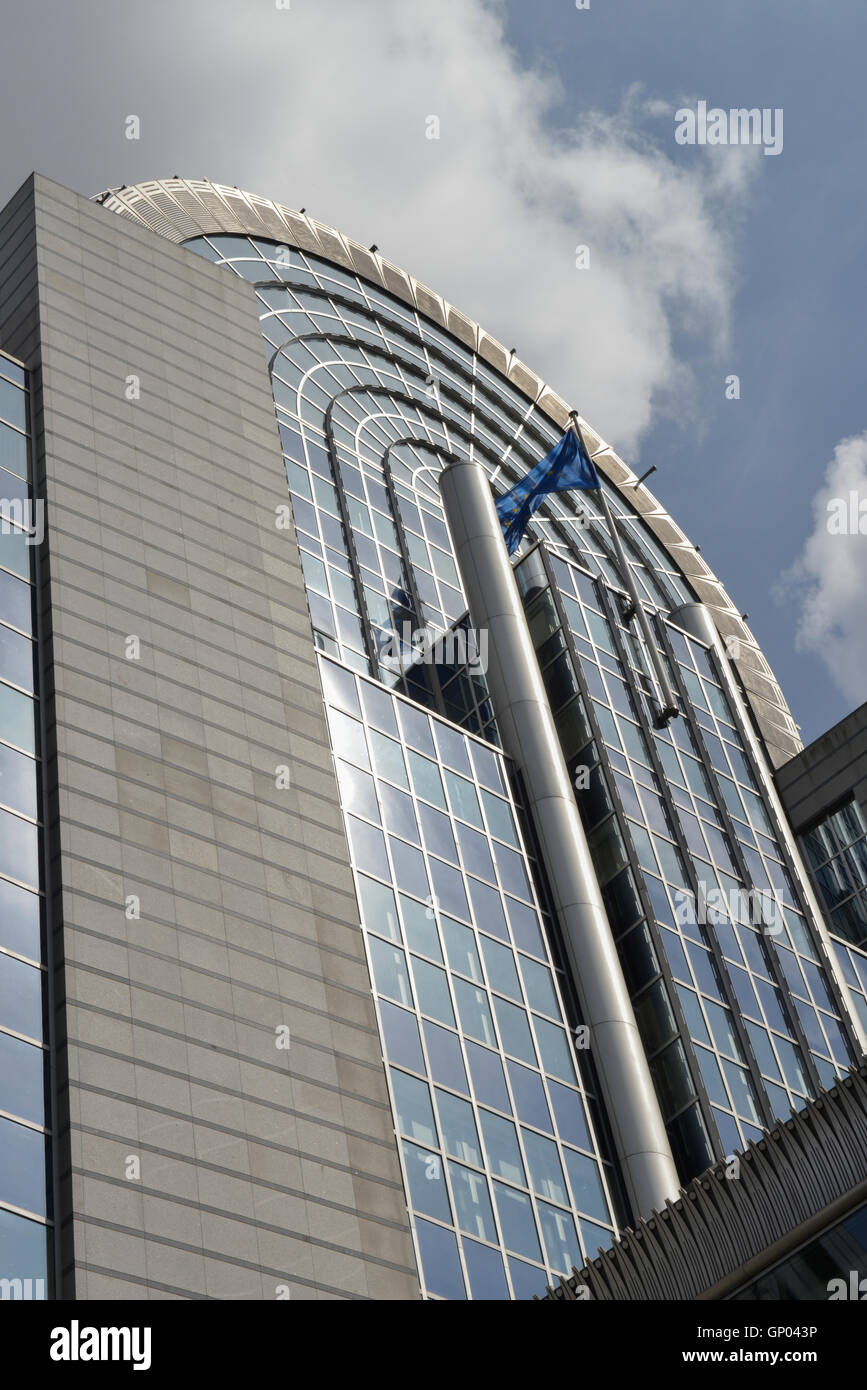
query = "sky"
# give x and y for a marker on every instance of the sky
(556, 131)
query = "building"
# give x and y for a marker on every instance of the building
(348, 984)
(824, 792)
(791, 1228)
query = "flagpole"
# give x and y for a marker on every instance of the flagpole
(668, 706)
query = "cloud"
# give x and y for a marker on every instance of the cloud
(492, 213)
(829, 580)
(324, 104)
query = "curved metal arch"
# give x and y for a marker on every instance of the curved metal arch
(179, 210)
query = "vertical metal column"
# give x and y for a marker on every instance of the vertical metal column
(697, 619)
(530, 738)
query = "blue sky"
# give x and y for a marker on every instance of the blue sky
(557, 129)
(741, 478)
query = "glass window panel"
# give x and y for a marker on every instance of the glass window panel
(416, 729)
(402, 1043)
(546, 1171)
(358, 790)
(485, 1271)
(472, 1202)
(500, 967)
(433, 991)
(464, 799)
(340, 687)
(15, 598)
(390, 972)
(516, 1220)
(19, 920)
(368, 847)
(529, 1094)
(13, 451)
(388, 759)
(19, 849)
(539, 986)
(460, 1137)
(18, 777)
(449, 889)
(461, 949)
(420, 928)
(22, 1173)
(13, 404)
(446, 1061)
(439, 1261)
(16, 658)
(437, 831)
(20, 997)
(347, 735)
(554, 1050)
(500, 819)
(722, 1028)
(743, 1095)
(426, 780)
(475, 1012)
(524, 922)
(712, 1076)
(489, 1084)
(413, 1106)
(427, 1184)
(22, 1085)
(488, 909)
(692, 1012)
(587, 1191)
(569, 1112)
(23, 1248)
(501, 1147)
(409, 868)
(561, 1239)
(475, 852)
(514, 1030)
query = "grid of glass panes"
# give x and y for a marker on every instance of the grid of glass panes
(501, 1163)
(853, 964)
(752, 820)
(358, 372)
(836, 851)
(607, 835)
(689, 798)
(23, 1161)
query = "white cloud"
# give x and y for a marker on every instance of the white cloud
(490, 215)
(829, 580)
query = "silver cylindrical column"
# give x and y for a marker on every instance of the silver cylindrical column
(697, 619)
(530, 738)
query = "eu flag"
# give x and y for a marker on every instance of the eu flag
(567, 466)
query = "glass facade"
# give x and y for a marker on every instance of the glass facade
(502, 1144)
(831, 1266)
(503, 1167)
(836, 851)
(739, 1018)
(24, 1209)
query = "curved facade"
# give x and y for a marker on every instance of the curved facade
(184, 209)
(507, 1133)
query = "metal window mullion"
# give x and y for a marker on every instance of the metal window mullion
(650, 919)
(680, 839)
(409, 570)
(722, 809)
(795, 873)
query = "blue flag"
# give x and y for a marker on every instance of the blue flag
(567, 466)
